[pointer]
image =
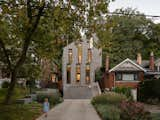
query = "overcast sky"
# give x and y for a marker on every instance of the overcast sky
(149, 7)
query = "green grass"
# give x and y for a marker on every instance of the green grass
(18, 111)
(18, 93)
(155, 116)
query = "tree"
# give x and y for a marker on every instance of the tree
(127, 34)
(21, 35)
(41, 28)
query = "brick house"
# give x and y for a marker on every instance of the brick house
(129, 72)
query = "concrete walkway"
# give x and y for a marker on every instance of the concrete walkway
(72, 110)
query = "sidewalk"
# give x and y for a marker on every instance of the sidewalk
(72, 110)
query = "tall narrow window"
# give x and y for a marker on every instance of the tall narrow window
(68, 74)
(89, 55)
(80, 53)
(70, 54)
(87, 73)
(78, 73)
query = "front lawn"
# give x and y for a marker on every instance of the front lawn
(16, 111)
(20, 111)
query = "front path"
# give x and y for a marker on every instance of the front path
(72, 110)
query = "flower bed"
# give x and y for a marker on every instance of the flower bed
(114, 106)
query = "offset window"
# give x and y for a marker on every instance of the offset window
(80, 53)
(70, 54)
(68, 74)
(87, 73)
(89, 55)
(78, 73)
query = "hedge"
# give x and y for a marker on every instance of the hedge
(149, 89)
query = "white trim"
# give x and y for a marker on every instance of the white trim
(130, 62)
(136, 81)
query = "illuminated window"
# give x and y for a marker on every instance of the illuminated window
(53, 78)
(87, 73)
(80, 53)
(89, 55)
(68, 74)
(78, 73)
(70, 55)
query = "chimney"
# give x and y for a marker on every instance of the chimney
(151, 62)
(139, 59)
(107, 63)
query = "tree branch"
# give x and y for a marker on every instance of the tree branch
(29, 34)
(29, 10)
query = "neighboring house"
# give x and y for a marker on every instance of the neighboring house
(129, 73)
(80, 61)
(49, 75)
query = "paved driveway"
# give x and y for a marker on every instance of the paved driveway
(72, 110)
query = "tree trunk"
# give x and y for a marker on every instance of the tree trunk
(11, 87)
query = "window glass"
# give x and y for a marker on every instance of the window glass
(78, 73)
(87, 73)
(118, 76)
(70, 54)
(80, 53)
(128, 77)
(68, 74)
(89, 55)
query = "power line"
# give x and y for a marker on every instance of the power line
(118, 13)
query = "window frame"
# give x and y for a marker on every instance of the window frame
(135, 76)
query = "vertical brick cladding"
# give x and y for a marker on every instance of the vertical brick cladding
(141, 76)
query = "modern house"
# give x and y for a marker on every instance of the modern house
(129, 72)
(79, 62)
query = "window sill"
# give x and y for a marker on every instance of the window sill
(127, 81)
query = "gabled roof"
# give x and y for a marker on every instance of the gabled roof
(132, 66)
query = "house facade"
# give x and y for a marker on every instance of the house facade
(129, 72)
(79, 62)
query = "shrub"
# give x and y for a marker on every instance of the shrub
(149, 89)
(108, 112)
(124, 90)
(108, 98)
(53, 98)
(5, 84)
(133, 111)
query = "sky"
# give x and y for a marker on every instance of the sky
(148, 7)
